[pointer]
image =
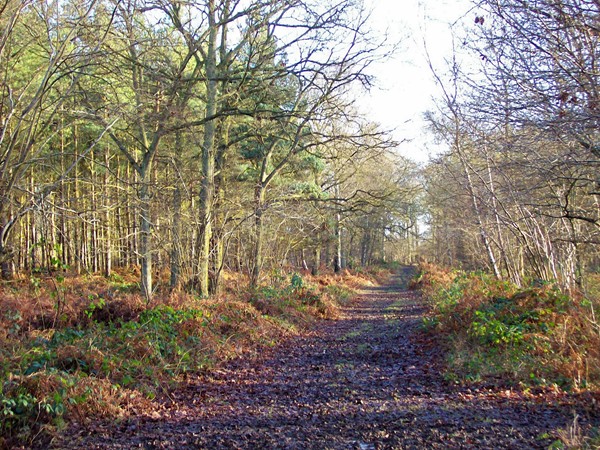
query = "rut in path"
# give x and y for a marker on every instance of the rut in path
(364, 382)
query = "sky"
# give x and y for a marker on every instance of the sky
(404, 86)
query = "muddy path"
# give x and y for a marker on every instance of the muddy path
(370, 380)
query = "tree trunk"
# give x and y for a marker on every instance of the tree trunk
(145, 241)
(107, 221)
(176, 241)
(337, 259)
(78, 236)
(383, 255)
(303, 259)
(208, 159)
(6, 254)
(316, 260)
(94, 247)
(220, 215)
(482, 231)
(257, 256)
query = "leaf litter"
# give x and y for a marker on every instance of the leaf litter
(370, 380)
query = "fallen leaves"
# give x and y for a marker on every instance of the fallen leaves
(381, 386)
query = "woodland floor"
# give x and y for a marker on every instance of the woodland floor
(370, 380)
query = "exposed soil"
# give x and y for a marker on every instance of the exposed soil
(370, 380)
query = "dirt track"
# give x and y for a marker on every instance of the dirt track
(370, 380)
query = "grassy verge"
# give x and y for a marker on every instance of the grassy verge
(81, 348)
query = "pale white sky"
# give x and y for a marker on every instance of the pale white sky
(405, 86)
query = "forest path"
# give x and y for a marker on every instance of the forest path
(370, 380)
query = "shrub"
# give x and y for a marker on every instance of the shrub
(531, 335)
(298, 302)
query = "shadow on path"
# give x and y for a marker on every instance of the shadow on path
(367, 381)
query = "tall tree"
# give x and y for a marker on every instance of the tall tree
(42, 54)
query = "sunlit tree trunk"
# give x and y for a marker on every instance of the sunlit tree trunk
(145, 238)
(176, 241)
(257, 259)
(337, 259)
(218, 244)
(108, 253)
(316, 256)
(208, 155)
(176, 229)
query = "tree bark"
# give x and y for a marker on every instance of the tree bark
(337, 259)
(208, 156)
(259, 206)
(107, 219)
(482, 231)
(145, 238)
(316, 259)
(176, 241)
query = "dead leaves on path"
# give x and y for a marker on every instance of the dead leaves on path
(370, 380)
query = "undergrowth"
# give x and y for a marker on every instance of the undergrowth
(89, 347)
(534, 335)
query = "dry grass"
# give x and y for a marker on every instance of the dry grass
(574, 437)
(430, 277)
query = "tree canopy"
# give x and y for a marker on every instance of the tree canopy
(192, 137)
